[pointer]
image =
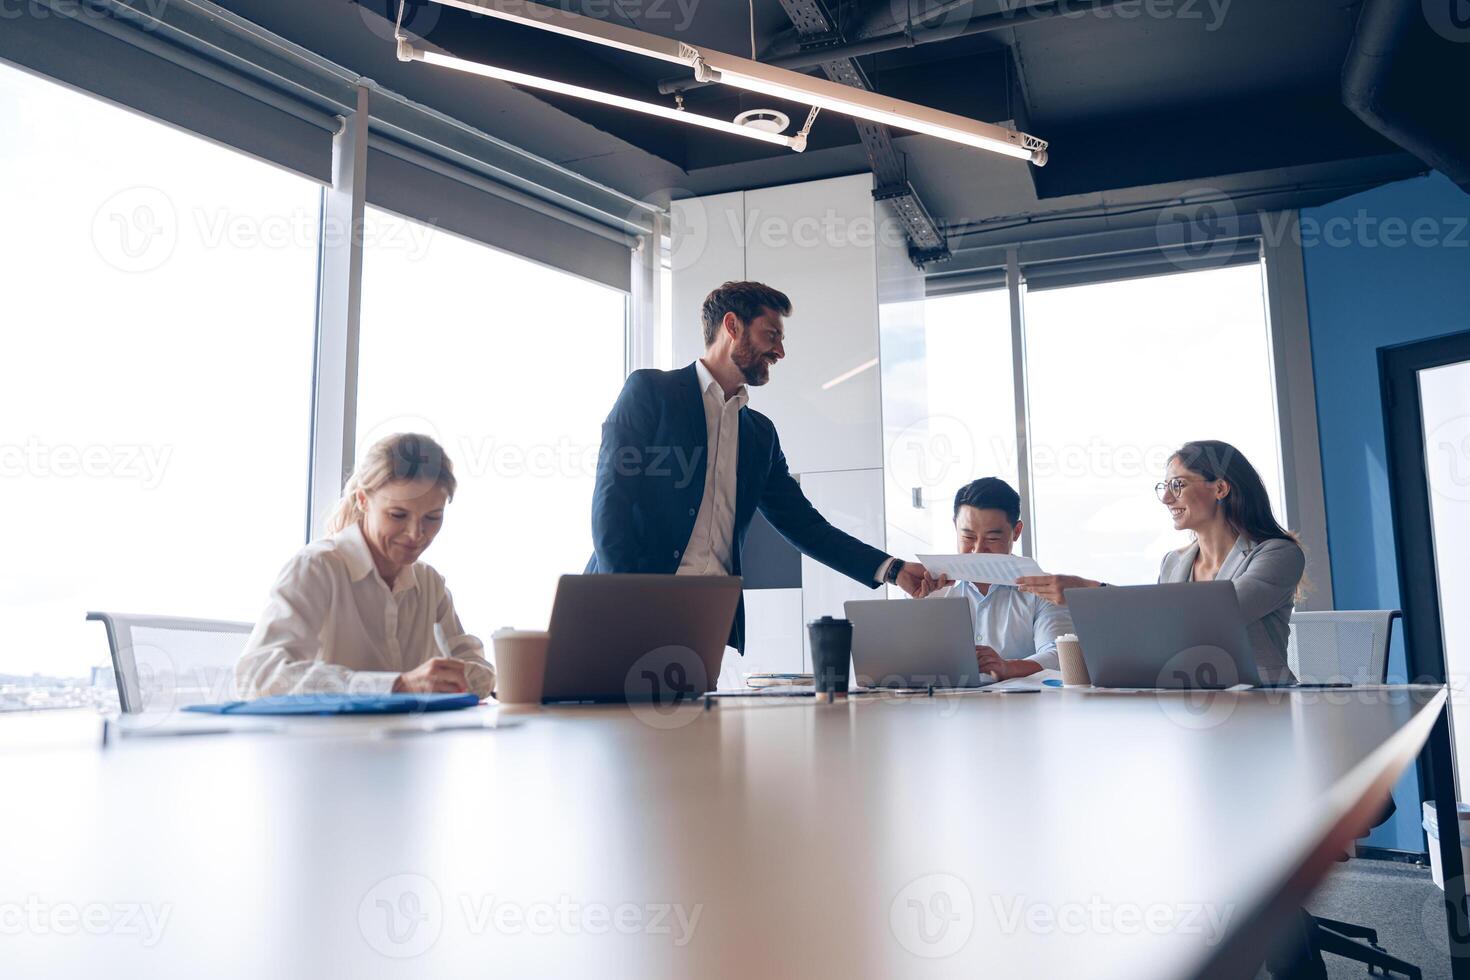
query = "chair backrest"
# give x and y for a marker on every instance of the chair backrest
(166, 662)
(1341, 645)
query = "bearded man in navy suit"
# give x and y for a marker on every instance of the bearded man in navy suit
(685, 464)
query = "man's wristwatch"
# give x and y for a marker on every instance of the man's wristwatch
(894, 568)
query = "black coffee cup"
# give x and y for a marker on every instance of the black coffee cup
(831, 654)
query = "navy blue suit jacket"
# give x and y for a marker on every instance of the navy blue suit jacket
(650, 481)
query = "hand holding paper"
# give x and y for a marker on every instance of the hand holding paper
(916, 580)
(1053, 588)
(990, 569)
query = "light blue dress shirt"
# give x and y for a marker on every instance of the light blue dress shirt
(1015, 624)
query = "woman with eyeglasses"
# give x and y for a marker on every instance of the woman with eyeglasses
(1212, 491)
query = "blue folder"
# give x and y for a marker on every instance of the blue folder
(341, 704)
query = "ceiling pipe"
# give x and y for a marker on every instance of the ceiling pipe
(793, 56)
(1382, 26)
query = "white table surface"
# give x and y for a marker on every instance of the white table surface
(1060, 834)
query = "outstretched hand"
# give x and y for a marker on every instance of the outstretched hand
(1052, 588)
(916, 580)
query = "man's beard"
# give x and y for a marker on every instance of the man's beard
(753, 366)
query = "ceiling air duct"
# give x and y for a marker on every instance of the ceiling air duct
(1407, 76)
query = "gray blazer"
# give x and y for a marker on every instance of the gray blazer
(1266, 577)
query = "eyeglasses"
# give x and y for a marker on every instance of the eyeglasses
(1174, 486)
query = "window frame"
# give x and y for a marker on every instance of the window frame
(1283, 287)
(339, 314)
(328, 118)
(337, 296)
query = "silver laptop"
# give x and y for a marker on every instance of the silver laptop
(914, 643)
(656, 638)
(1177, 636)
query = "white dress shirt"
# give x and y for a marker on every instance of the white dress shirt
(333, 625)
(1017, 625)
(711, 544)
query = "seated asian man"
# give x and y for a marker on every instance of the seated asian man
(1015, 632)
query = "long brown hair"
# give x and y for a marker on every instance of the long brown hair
(1247, 507)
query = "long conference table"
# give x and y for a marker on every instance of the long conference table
(1054, 834)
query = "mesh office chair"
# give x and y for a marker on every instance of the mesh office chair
(1346, 646)
(165, 662)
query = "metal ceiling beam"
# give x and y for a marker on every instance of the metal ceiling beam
(798, 53)
(925, 27)
(806, 50)
(926, 241)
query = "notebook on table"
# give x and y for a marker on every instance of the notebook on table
(340, 704)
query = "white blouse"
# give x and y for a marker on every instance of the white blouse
(333, 625)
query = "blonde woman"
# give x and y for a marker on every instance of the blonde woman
(357, 611)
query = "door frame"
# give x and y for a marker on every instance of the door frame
(1408, 491)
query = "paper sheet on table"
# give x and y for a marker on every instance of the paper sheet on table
(1031, 682)
(991, 569)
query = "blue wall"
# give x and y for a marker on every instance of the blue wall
(1384, 267)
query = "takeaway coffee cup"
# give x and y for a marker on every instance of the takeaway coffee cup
(831, 654)
(1069, 654)
(520, 665)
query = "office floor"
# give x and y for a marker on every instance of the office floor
(1400, 901)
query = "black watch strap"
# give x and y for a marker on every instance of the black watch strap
(893, 569)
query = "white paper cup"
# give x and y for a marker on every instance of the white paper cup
(520, 665)
(1069, 655)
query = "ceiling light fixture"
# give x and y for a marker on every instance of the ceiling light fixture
(594, 95)
(727, 69)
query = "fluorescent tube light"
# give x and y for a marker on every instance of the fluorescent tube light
(917, 119)
(407, 52)
(728, 69)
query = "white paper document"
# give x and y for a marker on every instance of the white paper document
(1031, 682)
(990, 569)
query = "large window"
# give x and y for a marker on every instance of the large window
(512, 366)
(949, 403)
(1118, 375)
(156, 382)
(1121, 374)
